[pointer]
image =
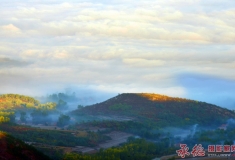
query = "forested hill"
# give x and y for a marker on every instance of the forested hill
(13, 101)
(9, 103)
(160, 109)
(14, 149)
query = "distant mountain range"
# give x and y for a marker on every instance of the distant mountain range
(160, 110)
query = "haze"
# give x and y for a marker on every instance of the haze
(178, 48)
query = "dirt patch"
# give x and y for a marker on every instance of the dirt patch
(117, 139)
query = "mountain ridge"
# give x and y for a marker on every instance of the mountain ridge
(159, 109)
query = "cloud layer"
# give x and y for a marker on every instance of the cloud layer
(124, 46)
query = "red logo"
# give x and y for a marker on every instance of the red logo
(183, 151)
(211, 148)
(232, 148)
(219, 148)
(226, 148)
(198, 150)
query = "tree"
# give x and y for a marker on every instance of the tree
(80, 106)
(228, 142)
(63, 120)
(40, 116)
(23, 117)
(61, 104)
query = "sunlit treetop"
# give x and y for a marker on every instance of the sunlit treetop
(159, 97)
(13, 101)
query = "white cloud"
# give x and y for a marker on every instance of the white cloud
(10, 28)
(138, 62)
(9, 31)
(140, 44)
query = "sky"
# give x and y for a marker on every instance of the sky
(178, 48)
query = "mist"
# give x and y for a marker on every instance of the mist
(181, 133)
(209, 89)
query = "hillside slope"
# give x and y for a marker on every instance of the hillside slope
(159, 109)
(10, 103)
(14, 149)
(14, 101)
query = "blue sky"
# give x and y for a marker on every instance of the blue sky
(178, 48)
